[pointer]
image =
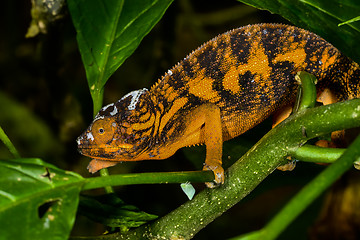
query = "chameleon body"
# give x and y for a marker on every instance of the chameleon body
(219, 91)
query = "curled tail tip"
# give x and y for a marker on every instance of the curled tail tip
(354, 81)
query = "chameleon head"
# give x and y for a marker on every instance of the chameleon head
(117, 132)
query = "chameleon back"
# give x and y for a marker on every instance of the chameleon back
(249, 72)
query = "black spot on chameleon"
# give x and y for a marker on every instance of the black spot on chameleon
(240, 47)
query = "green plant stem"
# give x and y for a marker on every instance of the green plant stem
(310, 153)
(148, 178)
(241, 178)
(103, 174)
(4, 138)
(306, 97)
(311, 191)
(97, 97)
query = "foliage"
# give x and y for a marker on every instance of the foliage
(39, 197)
(113, 212)
(108, 32)
(39, 200)
(322, 17)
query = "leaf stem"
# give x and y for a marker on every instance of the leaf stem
(4, 138)
(97, 97)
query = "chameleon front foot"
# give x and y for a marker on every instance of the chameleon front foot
(95, 165)
(218, 173)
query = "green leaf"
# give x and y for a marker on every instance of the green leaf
(321, 17)
(37, 200)
(113, 212)
(108, 32)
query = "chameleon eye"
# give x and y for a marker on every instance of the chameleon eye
(103, 130)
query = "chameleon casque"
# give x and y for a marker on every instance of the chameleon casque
(225, 87)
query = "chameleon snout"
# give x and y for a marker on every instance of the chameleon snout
(84, 141)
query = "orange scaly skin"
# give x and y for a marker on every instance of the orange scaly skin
(219, 91)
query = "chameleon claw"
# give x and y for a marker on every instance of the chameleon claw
(218, 173)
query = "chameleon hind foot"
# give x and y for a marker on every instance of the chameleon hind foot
(218, 173)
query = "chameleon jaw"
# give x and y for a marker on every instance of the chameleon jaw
(105, 160)
(105, 152)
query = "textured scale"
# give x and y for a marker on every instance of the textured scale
(219, 91)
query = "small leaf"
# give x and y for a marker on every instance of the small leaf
(109, 31)
(188, 189)
(37, 200)
(350, 21)
(113, 212)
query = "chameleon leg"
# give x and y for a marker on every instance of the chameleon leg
(213, 140)
(204, 126)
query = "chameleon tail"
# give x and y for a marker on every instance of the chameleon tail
(344, 77)
(353, 81)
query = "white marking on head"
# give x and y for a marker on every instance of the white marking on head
(106, 107)
(79, 139)
(90, 136)
(97, 117)
(114, 111)
(135, 97)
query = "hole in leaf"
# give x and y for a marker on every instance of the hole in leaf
(45, 207)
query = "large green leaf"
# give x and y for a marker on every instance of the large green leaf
(109, 31)
(37, 200)
(321, 17)
(113, 212)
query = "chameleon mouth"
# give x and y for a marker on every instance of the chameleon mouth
(104, 152)
(105, 147)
